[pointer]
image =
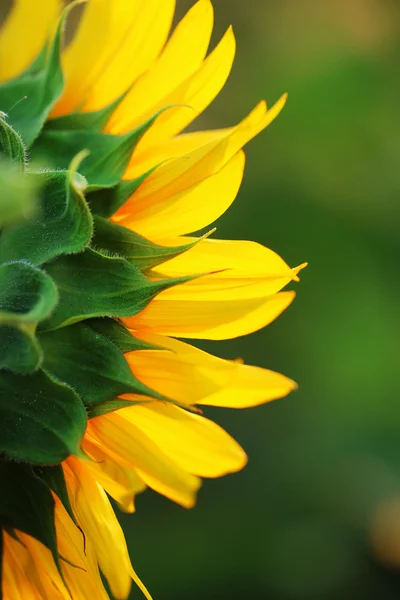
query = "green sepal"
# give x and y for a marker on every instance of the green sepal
(139, 251)
(92, 284)
(27, 505)
(105, 408)
(11, 144)
(19, 194)
(19, 350)
(91, 364)
(105, 202)
(38, 89)
(64, 223)
(108, 155)
(93, 121)
(54, 478)
(119, 335)
(27, 294)
(42, 421)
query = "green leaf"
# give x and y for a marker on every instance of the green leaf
(64, 223)
(94, 285)
(19, 198)
(105, 202)
(19, 350)
(136, 249)
(27, 294)
(11, 144)
(39, 89)
(119, 335)
(42, 421)
(27, 505)
(91, 364)
(108, 155)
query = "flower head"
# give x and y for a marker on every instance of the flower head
(99, 277)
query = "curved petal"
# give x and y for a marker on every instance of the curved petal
(181, 57)
(84, 581)
(189, 375)
(94, 512)
(24, 34)
(194, 94)
(194, 443)
(116, 42)
(114, 475)
(193, 208)
(238, 267)
(22, 579)
(181, 174)
(208, 319)
(153, 466)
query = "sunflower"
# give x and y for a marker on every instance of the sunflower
(99, 278)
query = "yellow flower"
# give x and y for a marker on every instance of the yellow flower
(123, 55)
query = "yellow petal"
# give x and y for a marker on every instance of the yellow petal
(96, 516)
(181, 57)
(240, 269)
(194, 95)
(189, 375)
(114, 475)
(82, 575)
(194, 443)
(181, 174)
(191, 209)
(209, 319)
(23, 579)
(27, 28)
(153, 466)
(116, 42)
(177, 147)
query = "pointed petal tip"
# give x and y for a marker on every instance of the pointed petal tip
(297, 270)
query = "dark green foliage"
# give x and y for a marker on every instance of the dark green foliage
(119, 335)
(92, 284)
(139, 251)
(27, 504)
(63, 224)
(11, 144)
(91, 364)
(27, 296)
(42, 420)
(108, 155)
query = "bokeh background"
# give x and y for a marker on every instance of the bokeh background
(316, 514)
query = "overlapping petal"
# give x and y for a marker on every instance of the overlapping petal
(24, 34)
(116, 42)
(93, 510)
(125, 439)
(192, 376)
(170, 183)
(182, 56)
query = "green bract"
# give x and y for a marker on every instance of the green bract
(66, 275)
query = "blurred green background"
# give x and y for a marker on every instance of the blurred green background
(316, 514)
